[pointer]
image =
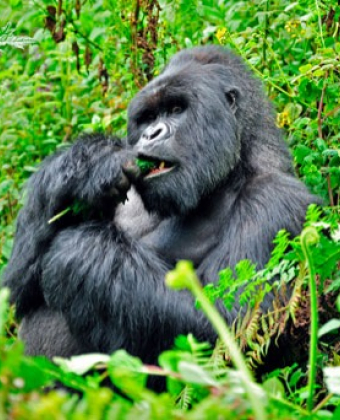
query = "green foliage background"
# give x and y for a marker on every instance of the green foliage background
(89, 59)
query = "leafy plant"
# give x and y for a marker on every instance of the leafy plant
(7, 37)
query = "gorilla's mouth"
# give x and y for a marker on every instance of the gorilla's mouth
(152, 167)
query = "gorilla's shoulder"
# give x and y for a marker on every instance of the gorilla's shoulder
(276, 201)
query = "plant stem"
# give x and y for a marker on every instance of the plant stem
(310, 236)
(323, 403)
(265, 35)
(193, 284)
(59, 215)
(4, 297)
(320, 22)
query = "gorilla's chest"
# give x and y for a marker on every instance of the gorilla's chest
(175, 238)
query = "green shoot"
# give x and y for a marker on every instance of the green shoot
(145, 165)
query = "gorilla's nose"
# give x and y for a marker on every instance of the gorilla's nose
(159, 131)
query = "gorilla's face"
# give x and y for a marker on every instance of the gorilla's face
(185, 122)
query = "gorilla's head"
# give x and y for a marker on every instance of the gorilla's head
(194, 121)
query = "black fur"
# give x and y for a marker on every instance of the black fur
(95, 281)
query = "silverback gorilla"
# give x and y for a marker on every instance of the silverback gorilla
(221, 185)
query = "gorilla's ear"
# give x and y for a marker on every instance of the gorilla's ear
(233, 95)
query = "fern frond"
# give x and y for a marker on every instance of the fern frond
(271, 320)
(7, 37)
(266, 332)
(185, 398)
(281, 243)
(16, 41)
(313, 214)
(255, 356)
(243, 328)
(217, 359)
(253, 323)
(295, 299)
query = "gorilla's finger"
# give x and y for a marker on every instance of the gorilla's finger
(131, 170)
(124, 183)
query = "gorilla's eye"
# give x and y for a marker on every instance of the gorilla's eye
(176, 109)
(150, 117)
(146, 118)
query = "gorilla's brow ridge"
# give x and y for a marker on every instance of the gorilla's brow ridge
(160, 99)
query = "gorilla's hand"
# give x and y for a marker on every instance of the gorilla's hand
(132, 170)
(86, 176)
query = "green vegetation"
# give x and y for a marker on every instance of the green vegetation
(145, 165)
(72, 66)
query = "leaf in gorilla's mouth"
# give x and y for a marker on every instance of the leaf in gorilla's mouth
(151, 167)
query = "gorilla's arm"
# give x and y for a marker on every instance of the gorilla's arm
(89, 173)
(111, 290)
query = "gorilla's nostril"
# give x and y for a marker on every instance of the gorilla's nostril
(155, 134)
(158, 131)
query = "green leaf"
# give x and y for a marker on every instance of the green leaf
(195, 374)
(127, 372)
(331, 325)
(274, 386)
(145, 165)
(4, 296)
(16, 41)
(301, 152)
(305, 68)
(81, 364)
(332, 379)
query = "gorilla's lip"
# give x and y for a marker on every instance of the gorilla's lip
(159, 166)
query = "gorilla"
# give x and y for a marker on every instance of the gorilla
(218, 185)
